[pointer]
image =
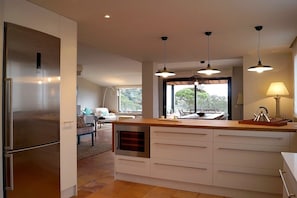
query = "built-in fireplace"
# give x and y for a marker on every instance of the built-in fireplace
(132, 140)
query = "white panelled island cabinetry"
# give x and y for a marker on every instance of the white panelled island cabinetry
(217, 157)
(289, 175)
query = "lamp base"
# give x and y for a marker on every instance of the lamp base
(277, 107)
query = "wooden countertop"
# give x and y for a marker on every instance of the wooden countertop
(211, 124)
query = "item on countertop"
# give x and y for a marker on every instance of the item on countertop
(201, 114)
(262, 116)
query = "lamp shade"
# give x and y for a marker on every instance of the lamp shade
(208, 71)
(277, 89)
(260, 68)
(164, 73)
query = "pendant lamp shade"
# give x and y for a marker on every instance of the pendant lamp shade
(208, 70)
(259, 67)
(164, 72)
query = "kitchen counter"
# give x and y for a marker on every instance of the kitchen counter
(211, 124)
(221, 157)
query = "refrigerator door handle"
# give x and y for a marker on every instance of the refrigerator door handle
(8, 115)
(9, 173)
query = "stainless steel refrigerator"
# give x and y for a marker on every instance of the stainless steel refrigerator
(31, 95)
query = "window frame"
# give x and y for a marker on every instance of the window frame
(229, 82)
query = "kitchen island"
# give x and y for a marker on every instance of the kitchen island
(289, 174)
(217, 157)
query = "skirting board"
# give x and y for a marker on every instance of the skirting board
(214, 190)
(69, 192)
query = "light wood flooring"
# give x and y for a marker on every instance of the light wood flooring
(95, 180)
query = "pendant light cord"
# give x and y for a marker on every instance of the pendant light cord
(164, 38)
(259, 58)
(165, 58)
(259, 28)
(208, 51)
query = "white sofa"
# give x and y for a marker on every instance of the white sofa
(103, 113)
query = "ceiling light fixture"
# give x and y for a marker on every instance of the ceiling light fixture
(208, 70)
(164, 73)
(107, 16)
(259, 68)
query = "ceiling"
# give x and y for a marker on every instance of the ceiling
(111, 50)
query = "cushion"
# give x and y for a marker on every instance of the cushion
(87, 111)
(104, 113)
(80, 122)
(101, 112)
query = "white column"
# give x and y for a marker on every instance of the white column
(150, 91)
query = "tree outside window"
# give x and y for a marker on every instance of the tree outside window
(185, 101)
(210, 96)
(130, 99)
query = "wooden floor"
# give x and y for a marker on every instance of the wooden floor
(95, 180)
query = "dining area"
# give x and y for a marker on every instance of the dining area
(205, 116)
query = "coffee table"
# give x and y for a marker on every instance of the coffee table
(99, 121)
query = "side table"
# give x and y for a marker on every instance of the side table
(99, 121)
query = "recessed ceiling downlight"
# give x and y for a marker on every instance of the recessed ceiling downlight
(107, 16)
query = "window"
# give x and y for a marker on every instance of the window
(130, 99)
(184, 97)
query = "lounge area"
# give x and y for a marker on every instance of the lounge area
(90, 120)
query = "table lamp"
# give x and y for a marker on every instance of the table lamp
(277, 89)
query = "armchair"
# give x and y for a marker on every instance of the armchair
(86, 126)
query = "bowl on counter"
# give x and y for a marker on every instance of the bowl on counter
(200, 114)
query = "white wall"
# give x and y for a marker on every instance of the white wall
(88, 94)
(26, 14)
(255, 85)
(150, 91)
(237, 86)
(294, 59)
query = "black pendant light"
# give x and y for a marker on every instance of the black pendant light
(208, 70)
(259, 67)
(164, 73)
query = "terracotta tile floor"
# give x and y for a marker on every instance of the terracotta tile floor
(95, 180)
